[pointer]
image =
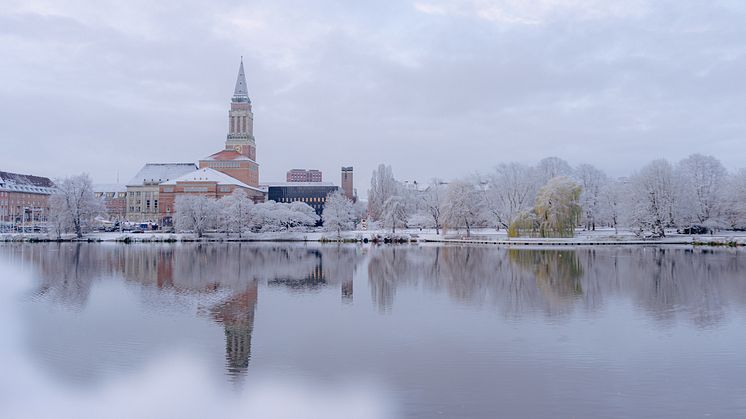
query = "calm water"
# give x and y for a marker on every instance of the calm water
(285, 330)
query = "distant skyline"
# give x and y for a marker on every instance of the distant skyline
(433, 88)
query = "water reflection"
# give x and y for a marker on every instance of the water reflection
(667, 284)
(662, 281)
(66, 274)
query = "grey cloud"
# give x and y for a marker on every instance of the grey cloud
(434, 94)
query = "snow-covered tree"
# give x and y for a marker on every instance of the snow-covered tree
(420, 219)
(383, 186)
(592, 182)
(432, 205)
(558, 208)
(301, 216)
(700, 180)
(236, 212)
(511, 191)
(612, 207)
(465, 205)
(59, 217)
(394, 213)
(74, 206)
(339, 213)
(274, 216)
(552, 167)
(652, 198)
(734, 200)
(195, 213)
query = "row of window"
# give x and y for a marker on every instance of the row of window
(307, 200)
(111, 194)
(133, 208)
(19, 204)
(25, 188)
(238, 124)
(224, 164)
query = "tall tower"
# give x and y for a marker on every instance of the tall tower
(238, 158)
(347, 183)
(241, 119)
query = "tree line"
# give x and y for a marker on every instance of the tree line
(74, 208)
(236, 213)
(552, 199)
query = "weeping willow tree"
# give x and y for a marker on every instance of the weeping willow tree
(557, 207)
(524, 225)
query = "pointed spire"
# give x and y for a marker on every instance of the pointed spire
(241, 92)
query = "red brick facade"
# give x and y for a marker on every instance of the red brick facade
(24, 199)
(303, 175)
(234, 164)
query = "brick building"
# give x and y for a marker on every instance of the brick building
(114, 196)
(347, 185)
(143, 189)
(304, 175)
(24, 199)
(205, 182)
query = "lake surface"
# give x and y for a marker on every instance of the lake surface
(294, 330)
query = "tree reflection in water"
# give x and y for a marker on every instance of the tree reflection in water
(662, 281)
(67, 272)
(666, 283)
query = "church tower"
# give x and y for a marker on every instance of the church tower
(241, 119)
(238, 158)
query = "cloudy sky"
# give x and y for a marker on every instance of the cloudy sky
(432, 87)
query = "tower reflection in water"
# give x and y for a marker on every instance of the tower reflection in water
(237, 317)
(199, 274)
(667, 285)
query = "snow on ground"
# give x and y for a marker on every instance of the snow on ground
(600, 236)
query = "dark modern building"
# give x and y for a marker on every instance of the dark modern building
(312, 193)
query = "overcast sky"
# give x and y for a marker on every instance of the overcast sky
(432, 87)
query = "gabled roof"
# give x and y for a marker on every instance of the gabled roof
(27, 180)
(227, 155)
(160, 172)
(209, 175)
(15, 182)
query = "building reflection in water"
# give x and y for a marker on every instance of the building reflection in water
(233, 272)
(666, 284)
(237, 317)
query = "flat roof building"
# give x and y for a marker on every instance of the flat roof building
(304, 175)
(312, 193)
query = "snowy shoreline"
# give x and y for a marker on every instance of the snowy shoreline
(485, 236)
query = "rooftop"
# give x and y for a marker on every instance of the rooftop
(227, 155)
(209, 175)
(16, 182)
(154, 173)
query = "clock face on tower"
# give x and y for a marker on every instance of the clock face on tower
(238, 148)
